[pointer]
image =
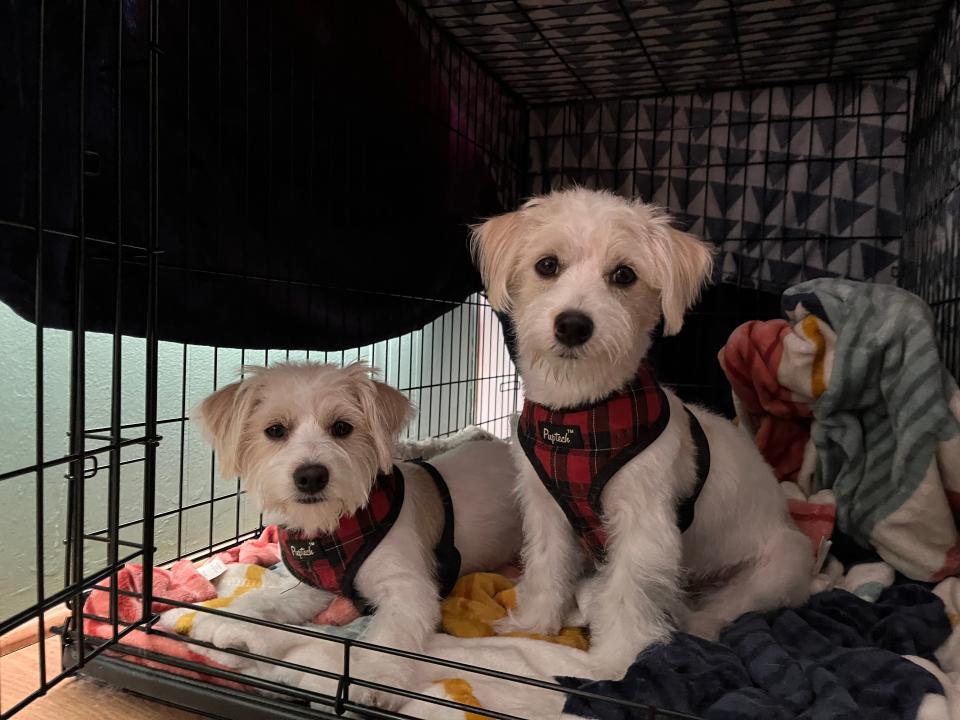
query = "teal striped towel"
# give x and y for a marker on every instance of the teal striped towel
(886, 426)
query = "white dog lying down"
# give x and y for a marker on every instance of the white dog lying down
(313, 445)
(609, 457)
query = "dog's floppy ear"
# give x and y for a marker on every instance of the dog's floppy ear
(387, 409)
(691, 265)
(492, 244)
(221, 417)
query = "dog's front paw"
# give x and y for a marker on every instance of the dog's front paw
(704, 625)
(383, 674)
(612, 653)
(606, 668)
(532, 612)
(317, 654)
(530, 622)
(611, 660)
(265, 641)
(217, 631)
(377, 698)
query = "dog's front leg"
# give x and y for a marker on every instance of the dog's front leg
(636, 594)
(398, 581)
(552, 560)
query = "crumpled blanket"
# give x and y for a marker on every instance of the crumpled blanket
(859, 648)
(885, 434)
(863, 647)
(182, 582)
(468, 614)
(757, 362)
(767, 365)
(837, 657)
(261, 550)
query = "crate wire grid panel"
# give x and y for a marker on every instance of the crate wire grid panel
(932, 233)
(140, 484)
(456, 371)
(602, 49)
(789, 183)
(116, 446)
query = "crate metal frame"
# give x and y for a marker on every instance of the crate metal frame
(476, 77)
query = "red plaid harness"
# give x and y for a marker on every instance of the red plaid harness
(331, 560)
(576, 451)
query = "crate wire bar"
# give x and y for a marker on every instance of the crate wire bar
(932, 233)
(803, 138)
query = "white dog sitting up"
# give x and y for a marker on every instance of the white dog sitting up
(313, 446)
(674, 508)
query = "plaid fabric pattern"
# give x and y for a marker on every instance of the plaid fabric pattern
(576, 451)
(331, 560)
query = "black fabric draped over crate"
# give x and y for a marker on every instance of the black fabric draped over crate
(306, 177)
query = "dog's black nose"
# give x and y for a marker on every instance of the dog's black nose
(572, 328)
(311, 478)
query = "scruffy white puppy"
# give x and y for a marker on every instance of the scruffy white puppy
(313, 446)
(663, 500)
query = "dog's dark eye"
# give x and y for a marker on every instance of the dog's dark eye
(547, 266)
(341, 429)
(623, 276)
(276, 432)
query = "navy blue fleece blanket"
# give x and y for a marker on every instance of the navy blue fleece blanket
(836, 657)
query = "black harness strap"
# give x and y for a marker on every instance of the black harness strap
(448, 557)
(687, 509)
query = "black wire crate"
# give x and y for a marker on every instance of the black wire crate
(192, 188)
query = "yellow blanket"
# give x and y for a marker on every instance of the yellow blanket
(480, 599)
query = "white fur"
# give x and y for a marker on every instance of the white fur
(398, 578)
(742, 532)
